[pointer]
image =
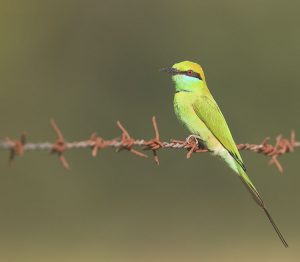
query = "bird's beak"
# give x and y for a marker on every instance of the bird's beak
(170, 70)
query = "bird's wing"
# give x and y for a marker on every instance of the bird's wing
(208, 111)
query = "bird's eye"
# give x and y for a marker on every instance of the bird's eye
(190, 72)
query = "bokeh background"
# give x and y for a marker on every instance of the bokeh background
(90, 63)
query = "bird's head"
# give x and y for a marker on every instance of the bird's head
(188, 76)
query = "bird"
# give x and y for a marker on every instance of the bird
(198, 112)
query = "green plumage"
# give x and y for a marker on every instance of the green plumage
(197, 110)
(208, 111)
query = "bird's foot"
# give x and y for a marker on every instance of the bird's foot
(195, 144)
(194, 139)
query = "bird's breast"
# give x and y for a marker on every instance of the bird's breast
(183, 107)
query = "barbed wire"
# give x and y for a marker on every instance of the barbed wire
(18, 147)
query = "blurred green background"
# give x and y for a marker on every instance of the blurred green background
(90, 63)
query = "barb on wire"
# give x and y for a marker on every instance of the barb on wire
(59, 145)
(127, 142)
(16, 147)
(192, 144)
(154, 144)
(282, 146)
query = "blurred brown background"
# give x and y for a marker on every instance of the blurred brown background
(90, 63)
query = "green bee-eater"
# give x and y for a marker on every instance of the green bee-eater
(197, 110)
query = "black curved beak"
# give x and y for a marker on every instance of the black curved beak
(170, 70)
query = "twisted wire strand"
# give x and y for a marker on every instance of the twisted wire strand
(125, 141)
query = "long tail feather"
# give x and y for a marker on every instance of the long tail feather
(276, 228)
(256, 196)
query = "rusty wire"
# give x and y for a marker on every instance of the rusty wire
(18, 147)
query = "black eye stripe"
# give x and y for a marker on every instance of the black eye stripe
(193, 74)
(188, 73)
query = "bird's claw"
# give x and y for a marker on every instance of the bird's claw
(194, 139)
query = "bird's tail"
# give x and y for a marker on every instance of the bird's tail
(256, 196)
